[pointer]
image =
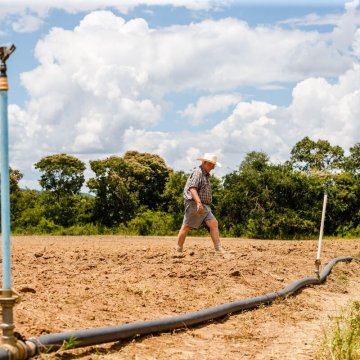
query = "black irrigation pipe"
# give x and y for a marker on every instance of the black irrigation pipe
(81, 338)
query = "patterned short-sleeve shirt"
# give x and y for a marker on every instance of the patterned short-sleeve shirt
(199, 179)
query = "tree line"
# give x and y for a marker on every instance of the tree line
(138, 194)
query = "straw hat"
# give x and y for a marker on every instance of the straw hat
(211, 158)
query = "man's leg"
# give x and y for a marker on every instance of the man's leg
(214, 233)
(182, 236)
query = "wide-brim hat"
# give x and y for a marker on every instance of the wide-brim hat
(211, 158)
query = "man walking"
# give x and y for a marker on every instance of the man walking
(198, 198)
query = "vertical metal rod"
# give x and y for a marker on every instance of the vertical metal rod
(318, 261)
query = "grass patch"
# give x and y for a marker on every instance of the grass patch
(342, 340)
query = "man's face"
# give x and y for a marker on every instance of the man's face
(208, 166)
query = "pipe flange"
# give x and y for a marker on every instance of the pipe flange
(4, 83)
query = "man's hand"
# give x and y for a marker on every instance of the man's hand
(200, 208)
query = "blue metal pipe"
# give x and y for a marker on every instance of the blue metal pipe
(5, 192)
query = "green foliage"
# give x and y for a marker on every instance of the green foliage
(342, 341)
(149, 223)
(308, 155)
(62, 174)
(114, 202)
(26, 209)
(79, 230)
(148, 176)
(343, 209)
(46, 226)
(14, 177)
(71, 343)
(139, 194)
(173, 197)
(32, 210)
(122, 185)
(268, 201)
(352, 162)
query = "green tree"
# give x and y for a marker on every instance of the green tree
(124, 184)
(343, 208)
(62, 174)
(63, 212)
(114, 203)
(27, 210)
(308, 155)
(352, 162)
(14, 177)
(148, 177)
(267, 201)
(15, 192)
(173, 197)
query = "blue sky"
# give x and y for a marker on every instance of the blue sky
(179, 78)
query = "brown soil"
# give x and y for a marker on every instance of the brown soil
(74, 283)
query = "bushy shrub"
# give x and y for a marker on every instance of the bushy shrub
(46, 226)
(87, 229)
(149, 223)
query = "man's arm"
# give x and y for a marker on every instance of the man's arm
(196, 198)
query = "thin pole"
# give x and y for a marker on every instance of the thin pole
(318, 261)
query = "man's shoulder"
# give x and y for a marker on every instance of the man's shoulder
(197, 169)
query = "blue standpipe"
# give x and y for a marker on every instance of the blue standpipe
(5, 52)
(5, 194)
(7, 298)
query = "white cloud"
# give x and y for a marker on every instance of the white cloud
(87, 89)
(28, 16)
(250, 127)
(101, 89)
(326, 111)
(312, 19)
(343, 34)
(356, 43)
(27, 23)
(206, 105)
(319, 110)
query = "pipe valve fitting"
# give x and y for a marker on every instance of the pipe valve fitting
(5, 52)
(317, 267)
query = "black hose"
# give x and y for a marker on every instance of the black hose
(80, 338)
(114, 333)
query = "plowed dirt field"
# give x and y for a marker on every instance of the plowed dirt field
(75, 283)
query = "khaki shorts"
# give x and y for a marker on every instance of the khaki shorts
(192, 218)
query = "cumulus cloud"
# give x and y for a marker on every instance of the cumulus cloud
(42, 6)
(207, 105)
(330, 109)
(86, 91)
(28, 16)
(356, 43)
(319, 109)
(27, 23)
(102, 88)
